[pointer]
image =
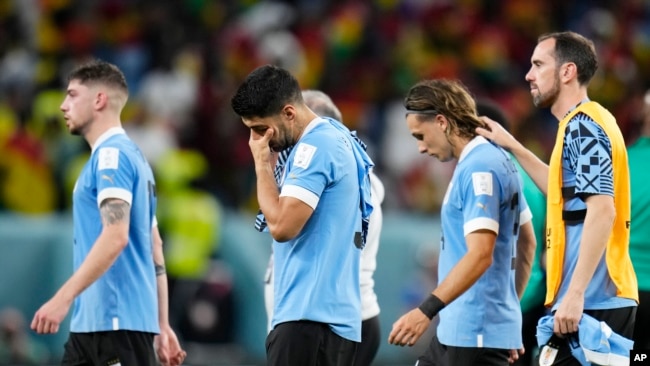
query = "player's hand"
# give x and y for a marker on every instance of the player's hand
(409, 328)
(168, 348)
(49, 317)
(259, 145)
(496, 134)
(568, 314)
(514, 354)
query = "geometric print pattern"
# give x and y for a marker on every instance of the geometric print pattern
(587, 153)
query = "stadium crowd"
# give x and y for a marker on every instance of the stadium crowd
(183, 59)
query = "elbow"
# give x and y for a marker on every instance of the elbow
(281, 237)
(608, 212)
(601, 209)
(118, 241)
(121, 242)
(484, 262)
(282, 233)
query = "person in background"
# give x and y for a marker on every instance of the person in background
(16, 344)
(119, 287)
(483, 214)
(638, 157)
(587, 187)
(316, 219)
(532, 301)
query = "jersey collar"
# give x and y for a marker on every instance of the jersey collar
(313, 123)
(106, 135)
(478, 140)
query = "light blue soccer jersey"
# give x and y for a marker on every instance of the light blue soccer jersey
(587, 166)
(317, 272)
(125, 297)
(485, 192)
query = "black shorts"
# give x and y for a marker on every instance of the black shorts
(308, 343)
(641, 334)
(120, 347)
(370, 338)
(437, 354)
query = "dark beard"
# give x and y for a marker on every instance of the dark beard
(549, 98)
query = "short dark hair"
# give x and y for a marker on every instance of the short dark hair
(449, 98)
(573, 47)
(265, 91)
(98, 71)
(493, 111)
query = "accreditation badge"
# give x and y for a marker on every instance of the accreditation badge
(547, 355)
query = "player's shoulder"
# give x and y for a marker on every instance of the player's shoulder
(323, 141)
(321, 133)
(485, 155)
(118, 147)
(582, 124)
(118, 141)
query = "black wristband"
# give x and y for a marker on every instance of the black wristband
(160, 270)
(431, 306)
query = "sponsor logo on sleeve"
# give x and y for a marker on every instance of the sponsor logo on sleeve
(108, 158)
(304, 154)
(482, 183)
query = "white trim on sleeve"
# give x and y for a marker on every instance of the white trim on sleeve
(113, 192)
(525, 216)
(300, 193)
(480, 223)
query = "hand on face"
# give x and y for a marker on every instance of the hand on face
(259, 145)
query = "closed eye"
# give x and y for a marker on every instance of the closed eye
(259, 129)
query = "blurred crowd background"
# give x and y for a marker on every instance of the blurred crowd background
(183, 60)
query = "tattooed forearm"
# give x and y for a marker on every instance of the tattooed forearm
(115, 211)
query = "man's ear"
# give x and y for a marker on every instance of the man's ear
(101, 100)
(568, 71)
(289, 112)
(442, 121)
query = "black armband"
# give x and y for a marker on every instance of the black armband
(431, 306)
(160, 269)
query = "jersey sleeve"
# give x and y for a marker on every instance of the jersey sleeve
(115, 175)
(481, 201)
(525, 213)
(307, 173)
(589, 154)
